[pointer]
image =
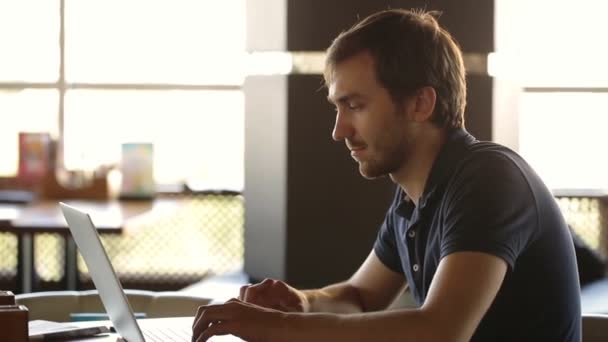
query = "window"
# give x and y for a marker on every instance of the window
(198, 134)
(128, 71)
(29, 29)
(551, 52)
(24, 110)
(563, 135)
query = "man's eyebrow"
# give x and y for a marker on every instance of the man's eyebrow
(344, 98)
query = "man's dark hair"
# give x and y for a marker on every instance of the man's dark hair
(410, 51)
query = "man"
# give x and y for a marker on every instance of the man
(472, 231)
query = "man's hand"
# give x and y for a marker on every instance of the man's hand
(275, 294)
(245, 320)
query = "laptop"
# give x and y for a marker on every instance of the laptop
(110, 290)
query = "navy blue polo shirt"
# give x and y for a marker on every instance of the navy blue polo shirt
(483, 197)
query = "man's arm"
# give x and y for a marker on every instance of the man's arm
(373, 287)
(461, 292)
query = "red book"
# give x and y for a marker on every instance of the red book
(34, 156)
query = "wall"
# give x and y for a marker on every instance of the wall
(310, 217)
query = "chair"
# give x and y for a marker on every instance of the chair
(58, 305)
(595, 328)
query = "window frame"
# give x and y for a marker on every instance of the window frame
(62, 87)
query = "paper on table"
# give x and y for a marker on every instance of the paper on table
(40, 330)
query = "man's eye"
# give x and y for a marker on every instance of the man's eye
(354, 106)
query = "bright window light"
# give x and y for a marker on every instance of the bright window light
(551, 42)
(553, 53)
(141, 41)
(563, 136)
(168, 72)
(30, 110)
(269, 63)
(29, 29)
(198, 136)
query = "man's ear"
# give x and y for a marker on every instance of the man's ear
(423, 103)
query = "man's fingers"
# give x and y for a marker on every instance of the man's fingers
(211, 314)
(260, 286)
(255, 293)
(273, 294)
(217, 329)
(219, 319)
(199, 312)
(290, 304)
(243, 291)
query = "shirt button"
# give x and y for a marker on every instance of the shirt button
(411, 233)
(415, 267)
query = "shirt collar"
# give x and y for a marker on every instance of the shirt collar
(453, 150)
(405, 206)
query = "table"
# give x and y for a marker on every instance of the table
(110, 217)
(174, 322)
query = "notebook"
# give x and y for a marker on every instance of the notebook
(110, 290)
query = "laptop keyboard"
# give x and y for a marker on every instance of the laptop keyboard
(167, 334)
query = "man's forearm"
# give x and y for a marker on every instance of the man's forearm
(398, 325)
(337, 298)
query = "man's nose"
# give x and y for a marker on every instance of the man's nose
(342, 128)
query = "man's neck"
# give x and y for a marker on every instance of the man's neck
(412, 176)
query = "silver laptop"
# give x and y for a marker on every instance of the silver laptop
(110, 290)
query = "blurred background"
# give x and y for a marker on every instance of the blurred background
(229, 95)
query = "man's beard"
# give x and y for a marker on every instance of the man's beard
(391, 153)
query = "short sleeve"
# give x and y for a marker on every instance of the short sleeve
(385, 246)
(490, 207)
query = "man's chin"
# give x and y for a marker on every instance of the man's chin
(369, 173)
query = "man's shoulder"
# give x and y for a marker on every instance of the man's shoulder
(484, 157)
(487, 150)
(489, 170)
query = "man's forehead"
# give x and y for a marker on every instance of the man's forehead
(331, 91)
(337, 91)
(350, 76)
(361, 63)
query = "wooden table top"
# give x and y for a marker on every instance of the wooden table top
(108, 216)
